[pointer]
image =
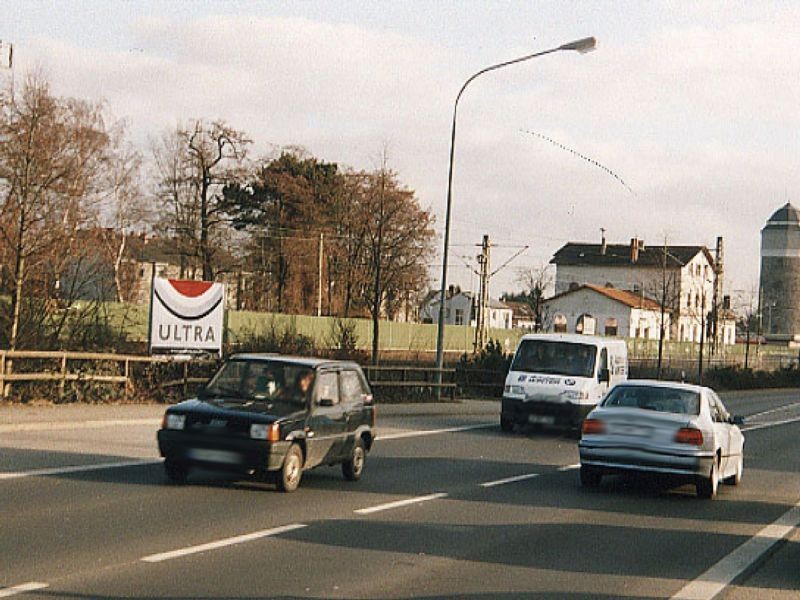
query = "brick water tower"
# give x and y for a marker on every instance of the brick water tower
(779, 286)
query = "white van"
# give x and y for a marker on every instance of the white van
(556, 379)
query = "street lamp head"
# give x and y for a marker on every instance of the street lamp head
(583, 46)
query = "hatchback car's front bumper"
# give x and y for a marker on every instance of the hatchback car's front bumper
(221, 453)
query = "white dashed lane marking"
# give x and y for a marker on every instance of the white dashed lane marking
(239, 539)
(514, 479)
(21, 589)
(398, 503)
(75, 469)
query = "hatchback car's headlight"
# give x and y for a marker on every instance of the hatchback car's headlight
(265, 431)
(174, 421)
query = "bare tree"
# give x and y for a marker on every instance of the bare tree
(194, 163)
(52, 151)
(399, 243)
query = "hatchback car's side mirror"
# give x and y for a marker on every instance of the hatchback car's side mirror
(326, 402)
(604, 376)
(737, 420)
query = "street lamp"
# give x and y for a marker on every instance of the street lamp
(583, 45)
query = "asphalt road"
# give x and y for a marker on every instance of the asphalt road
(448, 508)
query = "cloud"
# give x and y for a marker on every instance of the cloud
(699, 121)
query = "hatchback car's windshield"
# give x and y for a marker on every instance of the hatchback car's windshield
(272, 381)
(555, 358)
(661, 399)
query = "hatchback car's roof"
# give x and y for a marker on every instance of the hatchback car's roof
(663, 384)
(306, 361)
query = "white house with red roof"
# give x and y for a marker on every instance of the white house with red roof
(604, 310)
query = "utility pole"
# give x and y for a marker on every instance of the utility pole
(482, 321)
(319, 276)
(661, 328)
(718, 280)
(702, 336)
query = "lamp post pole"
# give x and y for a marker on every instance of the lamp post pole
(582, 46)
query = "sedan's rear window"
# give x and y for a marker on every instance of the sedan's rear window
(660, 399)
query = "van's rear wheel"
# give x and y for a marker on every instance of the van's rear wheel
(506, 424)
(177, 471)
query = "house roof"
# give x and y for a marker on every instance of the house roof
(619, 255)
(521, 310)
(432, 297)
(626, 297)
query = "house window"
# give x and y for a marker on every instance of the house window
(560, 324)
(459, 316)
(611, 326)
(585, 324)
(447, 313)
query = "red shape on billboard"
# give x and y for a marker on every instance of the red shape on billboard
(190, 287)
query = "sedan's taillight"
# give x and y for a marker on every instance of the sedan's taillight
(689, 435)
(593, 427)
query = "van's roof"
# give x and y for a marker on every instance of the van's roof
(573, 338)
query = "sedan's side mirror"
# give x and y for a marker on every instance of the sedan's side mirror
(326, 402)
(736, 420)
(604, 376)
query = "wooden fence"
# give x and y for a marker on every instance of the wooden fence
(60, 368)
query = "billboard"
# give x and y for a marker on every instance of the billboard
(186, 316)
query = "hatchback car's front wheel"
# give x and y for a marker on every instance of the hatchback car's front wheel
(354, 466)
(292, 469)
(177, 471)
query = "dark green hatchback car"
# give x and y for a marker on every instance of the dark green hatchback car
(272, 416)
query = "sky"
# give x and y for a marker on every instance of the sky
(692, 105)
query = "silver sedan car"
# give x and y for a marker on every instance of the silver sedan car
(663, 427)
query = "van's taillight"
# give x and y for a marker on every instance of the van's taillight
(593, 427)
(689, 435)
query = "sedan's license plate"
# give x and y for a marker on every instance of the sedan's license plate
(217, 456)
(542, 419)
(632, 430)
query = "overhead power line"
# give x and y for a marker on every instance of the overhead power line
(579, 155)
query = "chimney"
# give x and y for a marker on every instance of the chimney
(634, 250)
(603, 245)
(451, 290)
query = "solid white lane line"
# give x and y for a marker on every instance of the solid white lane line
(719, 576)
(570, 467)
(399, 503)
(75, 469)
(239, 539)
(55, 425)
(21, 589)
(771, 424)
(489, 484)
(421, 432)
(773, 410)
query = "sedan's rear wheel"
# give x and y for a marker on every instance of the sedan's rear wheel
(590, 476)
(177, 471)
(707, 486)
(354, 466)
(736, 478)
(292, 470)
